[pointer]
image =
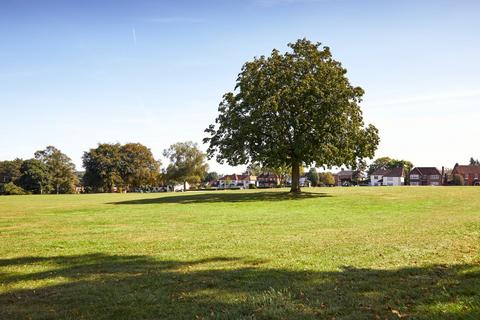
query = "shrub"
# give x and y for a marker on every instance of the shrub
(252, 186)
(12, 189)
(458, 180)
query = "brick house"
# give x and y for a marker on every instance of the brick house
(268, 180)
(425, 176)
(347, 178)
(470, 174)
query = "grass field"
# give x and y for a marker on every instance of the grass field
(334, 253)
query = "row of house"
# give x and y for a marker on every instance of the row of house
(418, 176)
(426, 176)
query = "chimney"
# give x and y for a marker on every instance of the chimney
(443, 175)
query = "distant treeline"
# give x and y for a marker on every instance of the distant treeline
(108, 167)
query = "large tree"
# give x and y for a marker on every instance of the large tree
(35, 176)
(10, 170)
(292, 109)
(187, 163)
(138, 166)
(61, 169)
(103, 166)
(111, 165)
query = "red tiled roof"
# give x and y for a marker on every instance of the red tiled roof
(426, 170)
(466, 169)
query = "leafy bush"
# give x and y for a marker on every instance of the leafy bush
(12, 189)
(458, 180)
(252, 186)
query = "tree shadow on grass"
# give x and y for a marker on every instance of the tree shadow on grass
(219, 196)
(99, 286)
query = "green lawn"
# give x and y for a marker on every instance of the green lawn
(333, 253)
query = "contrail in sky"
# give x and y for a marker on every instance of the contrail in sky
(134, 36)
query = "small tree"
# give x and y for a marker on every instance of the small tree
(12, 189)
(458, 180)
(327, 179)
(313, 176)
(290, 110)
(211, 176)
(474, 162)
(187, 163)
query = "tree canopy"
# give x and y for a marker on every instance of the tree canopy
(314, 177)
(292, 109)
(60, 168)
(187, 163)
(10, 170)
(389, 163)
(474, 162)
(35, 177)
(114, 165)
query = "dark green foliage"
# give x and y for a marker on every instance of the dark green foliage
(313, 176)
(60, 168)
(35, 177)
(114, 165)
(10, 170)
(458, 180)
(292, 109)
(474, 162)
(211, 176)
(12, 189)
(102, 167)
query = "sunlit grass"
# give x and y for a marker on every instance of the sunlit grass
(343, 253)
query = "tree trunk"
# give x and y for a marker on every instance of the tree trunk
(295, 176)
(184, 186)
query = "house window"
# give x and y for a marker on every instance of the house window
(434, 177)
(414, 176)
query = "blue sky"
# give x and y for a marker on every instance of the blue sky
(75, 74)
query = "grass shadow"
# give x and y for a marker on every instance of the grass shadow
(219, 196)
(100, 286)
